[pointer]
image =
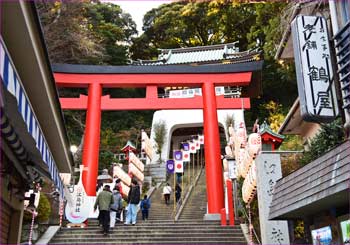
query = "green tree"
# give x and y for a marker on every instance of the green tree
(160, 131)
(44, 210)
(330, 135)
(67, 33)
(113, 28)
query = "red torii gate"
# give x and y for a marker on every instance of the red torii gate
(207, 77)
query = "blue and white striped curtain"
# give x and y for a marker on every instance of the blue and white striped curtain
(13, 84)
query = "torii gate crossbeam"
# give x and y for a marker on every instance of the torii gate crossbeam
(95, 78)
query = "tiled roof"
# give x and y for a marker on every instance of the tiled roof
(129, 144)
(316, 187)
(222, 53)
(265, 128)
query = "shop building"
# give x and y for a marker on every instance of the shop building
(318, 193)
(34, 143)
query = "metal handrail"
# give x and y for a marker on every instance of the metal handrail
(181, 204)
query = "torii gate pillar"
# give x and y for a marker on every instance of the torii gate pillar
(92, 138)
(213, 166)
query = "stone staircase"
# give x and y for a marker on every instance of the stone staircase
(196, 206)
(159, 211)
(160, 228)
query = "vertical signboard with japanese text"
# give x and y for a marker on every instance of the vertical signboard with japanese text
(316, 87)
(268, 170)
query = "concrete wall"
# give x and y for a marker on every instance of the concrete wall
(175, 119)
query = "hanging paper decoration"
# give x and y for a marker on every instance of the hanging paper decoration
(240, 136)
(228, 151)
(119, 173)
(135, 172)
(239, 160)
(245, 152)
(254, 145)
(225, 164)
(136, 161)
(249, 185)
(146, 145)
(124, 189)
(252, 149)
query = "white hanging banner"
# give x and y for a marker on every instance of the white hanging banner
(316, 87)
(198, 146)
(186, 156)
(179, 167)
(201, 139)
(192, 147)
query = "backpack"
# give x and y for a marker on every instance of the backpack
(145, 204)
(118, 203)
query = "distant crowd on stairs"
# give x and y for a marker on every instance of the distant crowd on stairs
(158, 225)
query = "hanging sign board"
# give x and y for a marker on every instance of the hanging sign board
(316, 87)
(232, 171)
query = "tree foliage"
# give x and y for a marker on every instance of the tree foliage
(330, 135)
(160, 131)
(81, 32)
(44, 211)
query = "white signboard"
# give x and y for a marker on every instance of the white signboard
(268, 170)
(190, 93)
(318, 101)
(232, 171)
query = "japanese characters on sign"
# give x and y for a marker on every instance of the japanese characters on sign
(318, 101)
(268, 171)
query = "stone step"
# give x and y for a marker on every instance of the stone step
(155, 226)
(153, 242)
(137, 239)
(151, 230)
(146, 234)
(160, 228)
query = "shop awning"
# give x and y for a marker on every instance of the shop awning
(12, 83)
